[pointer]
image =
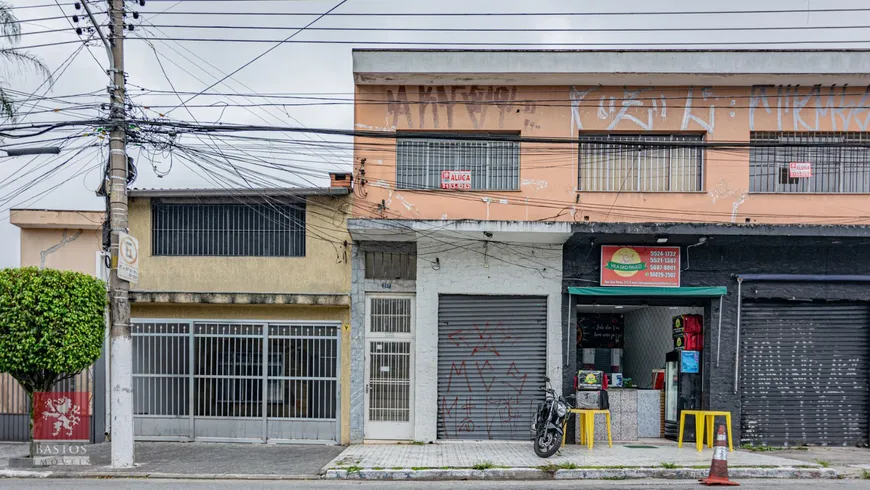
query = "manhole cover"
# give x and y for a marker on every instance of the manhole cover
(642, 447)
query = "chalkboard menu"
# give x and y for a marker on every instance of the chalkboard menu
(600, 331)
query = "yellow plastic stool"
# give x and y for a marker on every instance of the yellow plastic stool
(699, 427)
(709, 422)
(587, 426)
(702, 418)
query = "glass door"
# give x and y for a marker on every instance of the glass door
(672, 377)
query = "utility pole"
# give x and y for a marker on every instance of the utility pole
(121, 341)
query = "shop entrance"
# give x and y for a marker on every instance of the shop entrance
(651, 349)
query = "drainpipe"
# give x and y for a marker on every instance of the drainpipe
(719, 335)
(737, 350)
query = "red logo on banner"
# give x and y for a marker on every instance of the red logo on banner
(61, 416)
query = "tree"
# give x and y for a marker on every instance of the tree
(51, 326)
(11, 30)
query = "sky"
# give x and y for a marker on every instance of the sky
(322, 69)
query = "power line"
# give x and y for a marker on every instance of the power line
(264, 53)
(524, 14)
(509, 29)
(457, 136)
(513, 44)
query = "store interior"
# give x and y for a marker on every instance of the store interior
(651, 358)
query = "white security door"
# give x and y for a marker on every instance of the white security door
(389, 367)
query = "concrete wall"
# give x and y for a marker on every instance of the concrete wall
(324, 269)
(269, 312)
(648, 337)
(549, 172)
(67, 249)
(466, 268)
(715, 263)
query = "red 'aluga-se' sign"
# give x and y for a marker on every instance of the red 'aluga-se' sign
(456, 179)
(800, 170)
(61, 416)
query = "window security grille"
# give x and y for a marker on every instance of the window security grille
(611, 167)
(831, 169)
(252, 230)
(494, 165)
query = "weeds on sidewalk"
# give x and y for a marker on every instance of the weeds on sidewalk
(669, 466)
(552, 468)
(353, 469)
(823, 463)
(761, 449)
(486, 465)
(865, 475)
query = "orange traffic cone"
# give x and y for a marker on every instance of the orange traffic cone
(719, 466)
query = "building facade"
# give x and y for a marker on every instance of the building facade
(65, 240)
(512, 207)
(242, 314)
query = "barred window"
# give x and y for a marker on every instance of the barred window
(235, 230)
(785, 164)
(493, 165)
(612, 167)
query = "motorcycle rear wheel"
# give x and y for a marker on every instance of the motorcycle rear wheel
(547, 443)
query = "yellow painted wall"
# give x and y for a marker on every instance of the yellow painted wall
(267, 312)
(324, 269)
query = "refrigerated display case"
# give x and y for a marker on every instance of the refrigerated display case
(682, 391)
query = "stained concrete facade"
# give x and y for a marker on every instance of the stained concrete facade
(450, 260)
(551, 98)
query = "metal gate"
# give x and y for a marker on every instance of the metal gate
(805, 376)
(15, 406)
(236, 381)
(492, 360)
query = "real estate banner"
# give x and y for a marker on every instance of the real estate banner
(626, 265)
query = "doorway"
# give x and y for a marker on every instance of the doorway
(389, 367)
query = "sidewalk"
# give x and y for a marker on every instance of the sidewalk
(643, 459)
(198, 460)
(444, 461)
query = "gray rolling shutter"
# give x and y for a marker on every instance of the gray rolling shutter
(492, 360)
(805, 373)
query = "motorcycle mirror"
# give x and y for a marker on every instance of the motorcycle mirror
(547, 379)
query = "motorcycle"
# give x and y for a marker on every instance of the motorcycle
(549, 424)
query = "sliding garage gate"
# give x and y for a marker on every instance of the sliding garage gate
(236, 381)
(805, 377)
(492, 360)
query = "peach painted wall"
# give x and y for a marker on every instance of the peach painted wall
(548, 172)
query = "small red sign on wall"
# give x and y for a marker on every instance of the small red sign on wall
(61, 416)
(800, 170)
(640, 266)
(456, 179)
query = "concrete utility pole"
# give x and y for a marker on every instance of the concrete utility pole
(122, 342)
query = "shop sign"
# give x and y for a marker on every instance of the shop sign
(800, 170)
(640, 266)
(456, 179)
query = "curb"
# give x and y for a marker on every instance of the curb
(495, 474)
(153, 476)
(578, 474)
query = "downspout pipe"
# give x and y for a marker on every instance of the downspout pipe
(737, 350)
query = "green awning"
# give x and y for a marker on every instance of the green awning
(641, 291)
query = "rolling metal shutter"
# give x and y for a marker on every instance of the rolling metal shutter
(492, 360)
(805, 374)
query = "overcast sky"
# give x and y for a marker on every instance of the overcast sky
(317, 68)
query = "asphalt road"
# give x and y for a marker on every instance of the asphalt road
(122, 484)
